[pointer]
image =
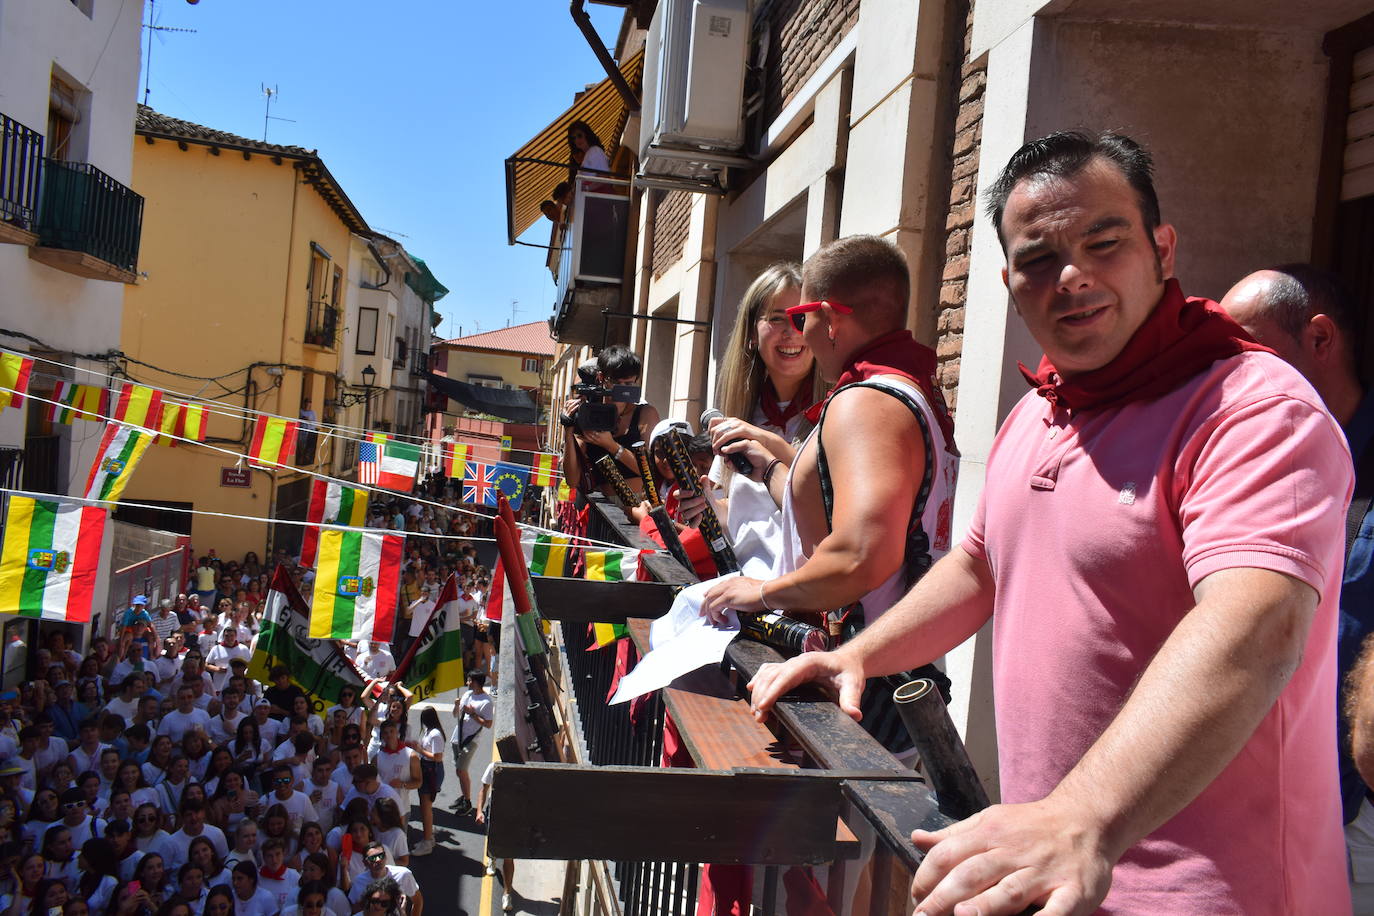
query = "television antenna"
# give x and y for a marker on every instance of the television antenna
(271, 93)
(155, 30)
(514, 307)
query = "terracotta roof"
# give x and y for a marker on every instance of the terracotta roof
(523, 338)
(155, 123)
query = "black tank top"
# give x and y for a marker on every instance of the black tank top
(629, 438)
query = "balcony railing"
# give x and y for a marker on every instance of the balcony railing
(322, 325)
(419, 363)
(21, 165)
(87, 211)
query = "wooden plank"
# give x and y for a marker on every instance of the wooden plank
(1358, 183)
(512, 741)
(761, 817)
(1362, 64)
(1360, 153)
(1362, 93)
(590, 601)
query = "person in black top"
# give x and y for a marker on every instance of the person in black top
(282, 694)
(634, 419)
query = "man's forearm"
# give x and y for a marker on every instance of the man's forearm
(1358, 693)
(1197, 703)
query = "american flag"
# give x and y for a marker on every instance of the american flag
(369, 462)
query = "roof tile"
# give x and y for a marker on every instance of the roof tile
(522, 338)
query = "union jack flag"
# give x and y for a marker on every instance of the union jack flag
(479, 483)
(369, 462)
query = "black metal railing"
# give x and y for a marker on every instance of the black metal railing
(83, 209)
(419, 362)
(321, 325)
(21, 167)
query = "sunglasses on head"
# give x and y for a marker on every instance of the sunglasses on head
(797, 313)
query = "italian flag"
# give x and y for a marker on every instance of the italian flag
(274, 442)
(400, 461)
(139, 405)
(356, 582)
(49, 559)
(120, 449)
(14, 379)
(331, 504)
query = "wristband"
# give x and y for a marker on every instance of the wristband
(618, 452)
(768, 471)
(566, 420)
(764, 601)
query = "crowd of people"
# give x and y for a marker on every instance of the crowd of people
(152, 775)
(1158, 544)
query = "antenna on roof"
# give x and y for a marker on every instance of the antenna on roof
(270, 93)
(153, 29)
(514, 307)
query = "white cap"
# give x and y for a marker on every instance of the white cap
(665, 425)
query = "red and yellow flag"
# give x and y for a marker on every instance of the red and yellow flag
(274, 442)
(544, 471)
(455, 459)
(191, 422)
(167, 425)
(14, 379)
(78, 402)
(139, 405)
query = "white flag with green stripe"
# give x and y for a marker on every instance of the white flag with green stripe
(611, 565)
(49, 560)
(120, 449)
(547, 555)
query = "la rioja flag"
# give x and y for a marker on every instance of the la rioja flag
(356, 583)
(330, 504)
(50, 557)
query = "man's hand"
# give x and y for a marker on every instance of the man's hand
(1008, 857)
(728, 429)
(837, 671)
(738, 592)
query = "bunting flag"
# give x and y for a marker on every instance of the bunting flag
(356, 581)
(167, 425)
(610, 566)
(274, 442)
(547, 555)
(397, 466)
(482, 481)
(545, 471)
(512, 480)
(120, 449)
(316, 665)
(50, 557)
(78, 402)
(455, 459)
(434, 663)
(564, 491)
(191, 422)
(139, 405)
(14, 379)
(331, 504)
(498, 595)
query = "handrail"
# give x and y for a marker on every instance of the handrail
(21, 167)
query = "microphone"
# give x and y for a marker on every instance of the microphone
(741, 462)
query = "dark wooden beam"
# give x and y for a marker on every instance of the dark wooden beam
(148, 140)
(181, 145)
(761, 817)
(214, 151)
(590, 601)
(247, 155)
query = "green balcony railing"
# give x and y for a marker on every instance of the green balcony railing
(83, 209)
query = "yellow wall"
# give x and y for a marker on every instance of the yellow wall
(226, 246)
(461, 363)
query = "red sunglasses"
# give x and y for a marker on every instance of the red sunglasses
(797, 313)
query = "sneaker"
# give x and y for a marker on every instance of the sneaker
(507, 905)
(423, 848)
(462, 806)
(491, 868)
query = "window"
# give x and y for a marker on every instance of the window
(530, 365)
(366, 344)
(64, 114)
(400, 357)
(336, 291)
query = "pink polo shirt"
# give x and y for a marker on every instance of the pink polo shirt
(1096, 528)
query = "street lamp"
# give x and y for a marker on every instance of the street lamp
(369, 376)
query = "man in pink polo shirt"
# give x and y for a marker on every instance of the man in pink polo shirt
(1159, 546)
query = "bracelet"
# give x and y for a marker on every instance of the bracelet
(618, 452)
(768, 471)
(762, 600)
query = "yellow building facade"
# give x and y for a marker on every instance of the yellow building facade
(245, 248)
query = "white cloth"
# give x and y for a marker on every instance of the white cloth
(395, 766)
(681, 641)
(420, 612)
(403, 877)
(262, 903)
(1359, 844)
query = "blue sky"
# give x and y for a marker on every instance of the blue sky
(414, 106)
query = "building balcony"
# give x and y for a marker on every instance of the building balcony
(322, 325)
(419, 363)
(590, 269)
(21, 169)
(88, 223)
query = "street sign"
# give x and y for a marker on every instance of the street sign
(235, 477)
(505, 443)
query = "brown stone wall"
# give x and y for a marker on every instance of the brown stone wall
(672, 213)
(963, 210)
(802, 33)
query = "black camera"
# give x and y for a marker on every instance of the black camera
(597, 411)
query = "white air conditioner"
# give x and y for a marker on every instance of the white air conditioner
(693, 104)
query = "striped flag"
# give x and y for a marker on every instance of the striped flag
(49, 560)
(547, 555)
(400, 461)
(545, 470)
(434, 663)
(78, 402)
(610, 566)
(191, 422)
(274, 442)
(120, 449)
(331, 504)
(316, 665)
(139, 405)
(14, 379)
(356, 583)
(455, 459)
(167, 425)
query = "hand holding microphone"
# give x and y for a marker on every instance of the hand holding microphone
(739, 460)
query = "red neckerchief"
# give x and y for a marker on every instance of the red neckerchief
(273, 876)
(895, 353)
(776, 415)
(1178, 340)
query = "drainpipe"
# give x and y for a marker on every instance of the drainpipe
(584, 22)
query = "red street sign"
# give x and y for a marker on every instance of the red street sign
(235, 477)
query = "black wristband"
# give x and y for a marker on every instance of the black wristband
(566, 420)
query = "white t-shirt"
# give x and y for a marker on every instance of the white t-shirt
(284, 889)
(297, 805)
(404, 878)
(482, 704)
(395, 842)
(177, 723)
(396, 766)
(433, 742)
(262, 903)
(376, 664)
(220, 655)
(327, 807)
(176, 848)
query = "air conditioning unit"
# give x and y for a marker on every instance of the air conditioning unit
(692, 126)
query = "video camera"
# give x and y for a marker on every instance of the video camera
(597, 411)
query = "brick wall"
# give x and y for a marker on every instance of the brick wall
(802, 33)
(963, 210)
(672, 212)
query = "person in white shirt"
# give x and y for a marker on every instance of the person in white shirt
(431, 752)
(225, 726)
(176, 848)
(375, 660)
(86, 755)
(367, 785)
(351, 756)
(324, 793)
(269, 729)
(217, 659)
(299, 810)
(377, 871)
(275, 877)
(131, 690)
(397, 765)
(77, 818)
(185, 717)
(249, 899)
(474, 711)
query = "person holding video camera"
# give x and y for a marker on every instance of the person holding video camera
(606, 416)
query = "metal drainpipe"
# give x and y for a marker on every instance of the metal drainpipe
(584, 22)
